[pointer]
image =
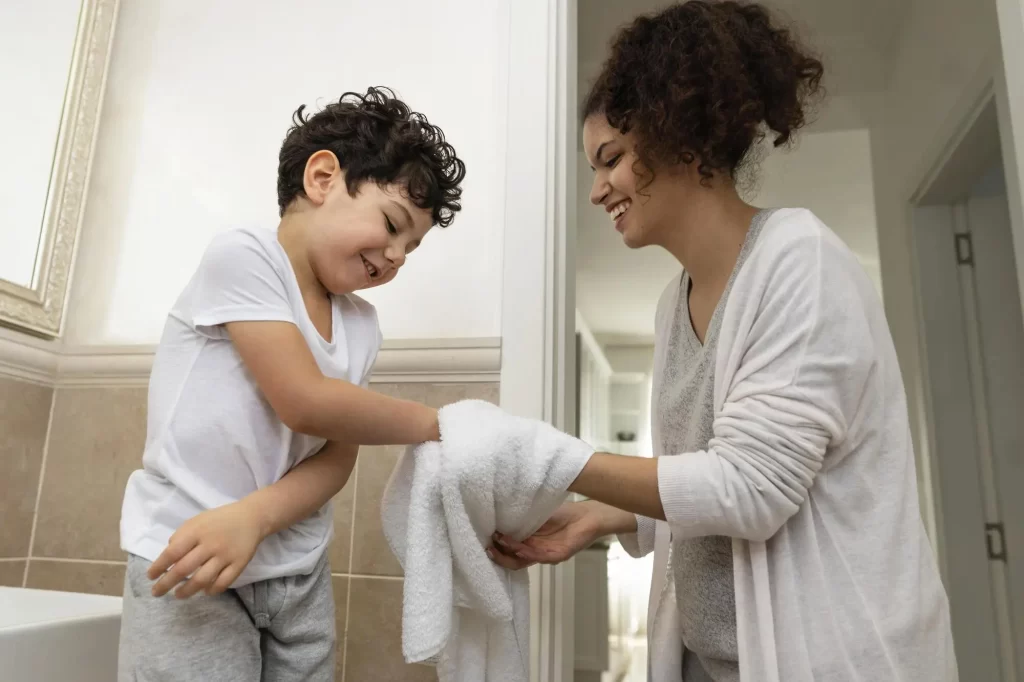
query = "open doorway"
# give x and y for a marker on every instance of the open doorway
(973, 346)
(888, 87)
(617, 290)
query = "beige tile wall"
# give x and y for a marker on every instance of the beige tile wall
(24, 415)
(96, 438)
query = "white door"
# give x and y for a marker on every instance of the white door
(974, 347)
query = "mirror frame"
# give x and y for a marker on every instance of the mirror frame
(39, 307)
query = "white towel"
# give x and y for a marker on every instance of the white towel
(491, 471)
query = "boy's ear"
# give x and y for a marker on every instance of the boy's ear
(322, 171)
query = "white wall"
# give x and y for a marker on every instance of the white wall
(199, 98)
(944, 47)
(828, 172)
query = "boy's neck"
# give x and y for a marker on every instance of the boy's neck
(291, 234)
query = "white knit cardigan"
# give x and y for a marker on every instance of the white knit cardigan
(811, 472)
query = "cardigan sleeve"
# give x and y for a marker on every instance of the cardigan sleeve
(640, 543)
(803, 354)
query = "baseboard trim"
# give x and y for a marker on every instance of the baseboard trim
(28, 359)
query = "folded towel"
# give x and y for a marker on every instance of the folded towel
(491, 471)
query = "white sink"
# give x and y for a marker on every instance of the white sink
(58, 636)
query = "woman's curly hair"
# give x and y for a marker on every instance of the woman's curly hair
(702, 80)
(376, 138)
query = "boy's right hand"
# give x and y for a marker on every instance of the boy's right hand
(213, 547)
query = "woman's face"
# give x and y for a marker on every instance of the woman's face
(641, 211)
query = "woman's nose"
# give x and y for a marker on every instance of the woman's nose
(598, 191)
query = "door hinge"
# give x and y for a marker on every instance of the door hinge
(995, 541)
(964, 249)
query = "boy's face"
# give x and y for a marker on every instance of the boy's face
(358, 242)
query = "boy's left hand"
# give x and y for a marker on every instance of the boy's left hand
(213, 547)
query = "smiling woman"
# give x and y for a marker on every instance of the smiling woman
(779, 415)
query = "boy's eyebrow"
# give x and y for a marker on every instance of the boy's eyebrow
(405, 213)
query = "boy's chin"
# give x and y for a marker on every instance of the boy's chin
(378, 283)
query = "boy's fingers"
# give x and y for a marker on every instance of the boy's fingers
(178, 547)
(224, 580)
(202, 578)
(180, 570)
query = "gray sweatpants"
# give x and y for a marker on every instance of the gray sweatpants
(276, 630)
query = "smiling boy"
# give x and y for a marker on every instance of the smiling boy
(258, 403)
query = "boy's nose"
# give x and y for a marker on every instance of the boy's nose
(396, 256)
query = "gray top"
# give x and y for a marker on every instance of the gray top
(684, 408)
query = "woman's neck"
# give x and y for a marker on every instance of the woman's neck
(709, 235)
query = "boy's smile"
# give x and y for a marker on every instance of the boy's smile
(353, 241)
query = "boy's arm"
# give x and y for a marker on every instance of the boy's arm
(215, 547)
(308, 402)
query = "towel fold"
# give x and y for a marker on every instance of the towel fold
(491, 471)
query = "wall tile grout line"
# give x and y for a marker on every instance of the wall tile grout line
(68, 560)
(9, 560)
(39, 488)
(351, 559)
(368, 576)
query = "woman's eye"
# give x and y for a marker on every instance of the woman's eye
(614, 160)
(390, 225)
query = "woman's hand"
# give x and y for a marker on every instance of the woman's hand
(572, 528)
(213, 547)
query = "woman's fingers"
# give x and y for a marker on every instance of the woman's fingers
(510, 562)
(508, 544)
(529, 553)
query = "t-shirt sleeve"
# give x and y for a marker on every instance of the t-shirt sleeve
(237, 280)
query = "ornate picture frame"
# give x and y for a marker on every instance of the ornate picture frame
(39, 307)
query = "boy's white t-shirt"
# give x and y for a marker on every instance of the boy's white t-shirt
(212, 438)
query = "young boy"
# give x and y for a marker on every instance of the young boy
(257, 403)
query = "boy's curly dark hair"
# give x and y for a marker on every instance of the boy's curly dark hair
(376, 138)
(701, 80)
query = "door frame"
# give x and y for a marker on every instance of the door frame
(1009, 91)
(538, 321)
(935, 201)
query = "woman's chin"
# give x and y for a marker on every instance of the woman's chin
(633, 240)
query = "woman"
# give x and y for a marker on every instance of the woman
(782, 508)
